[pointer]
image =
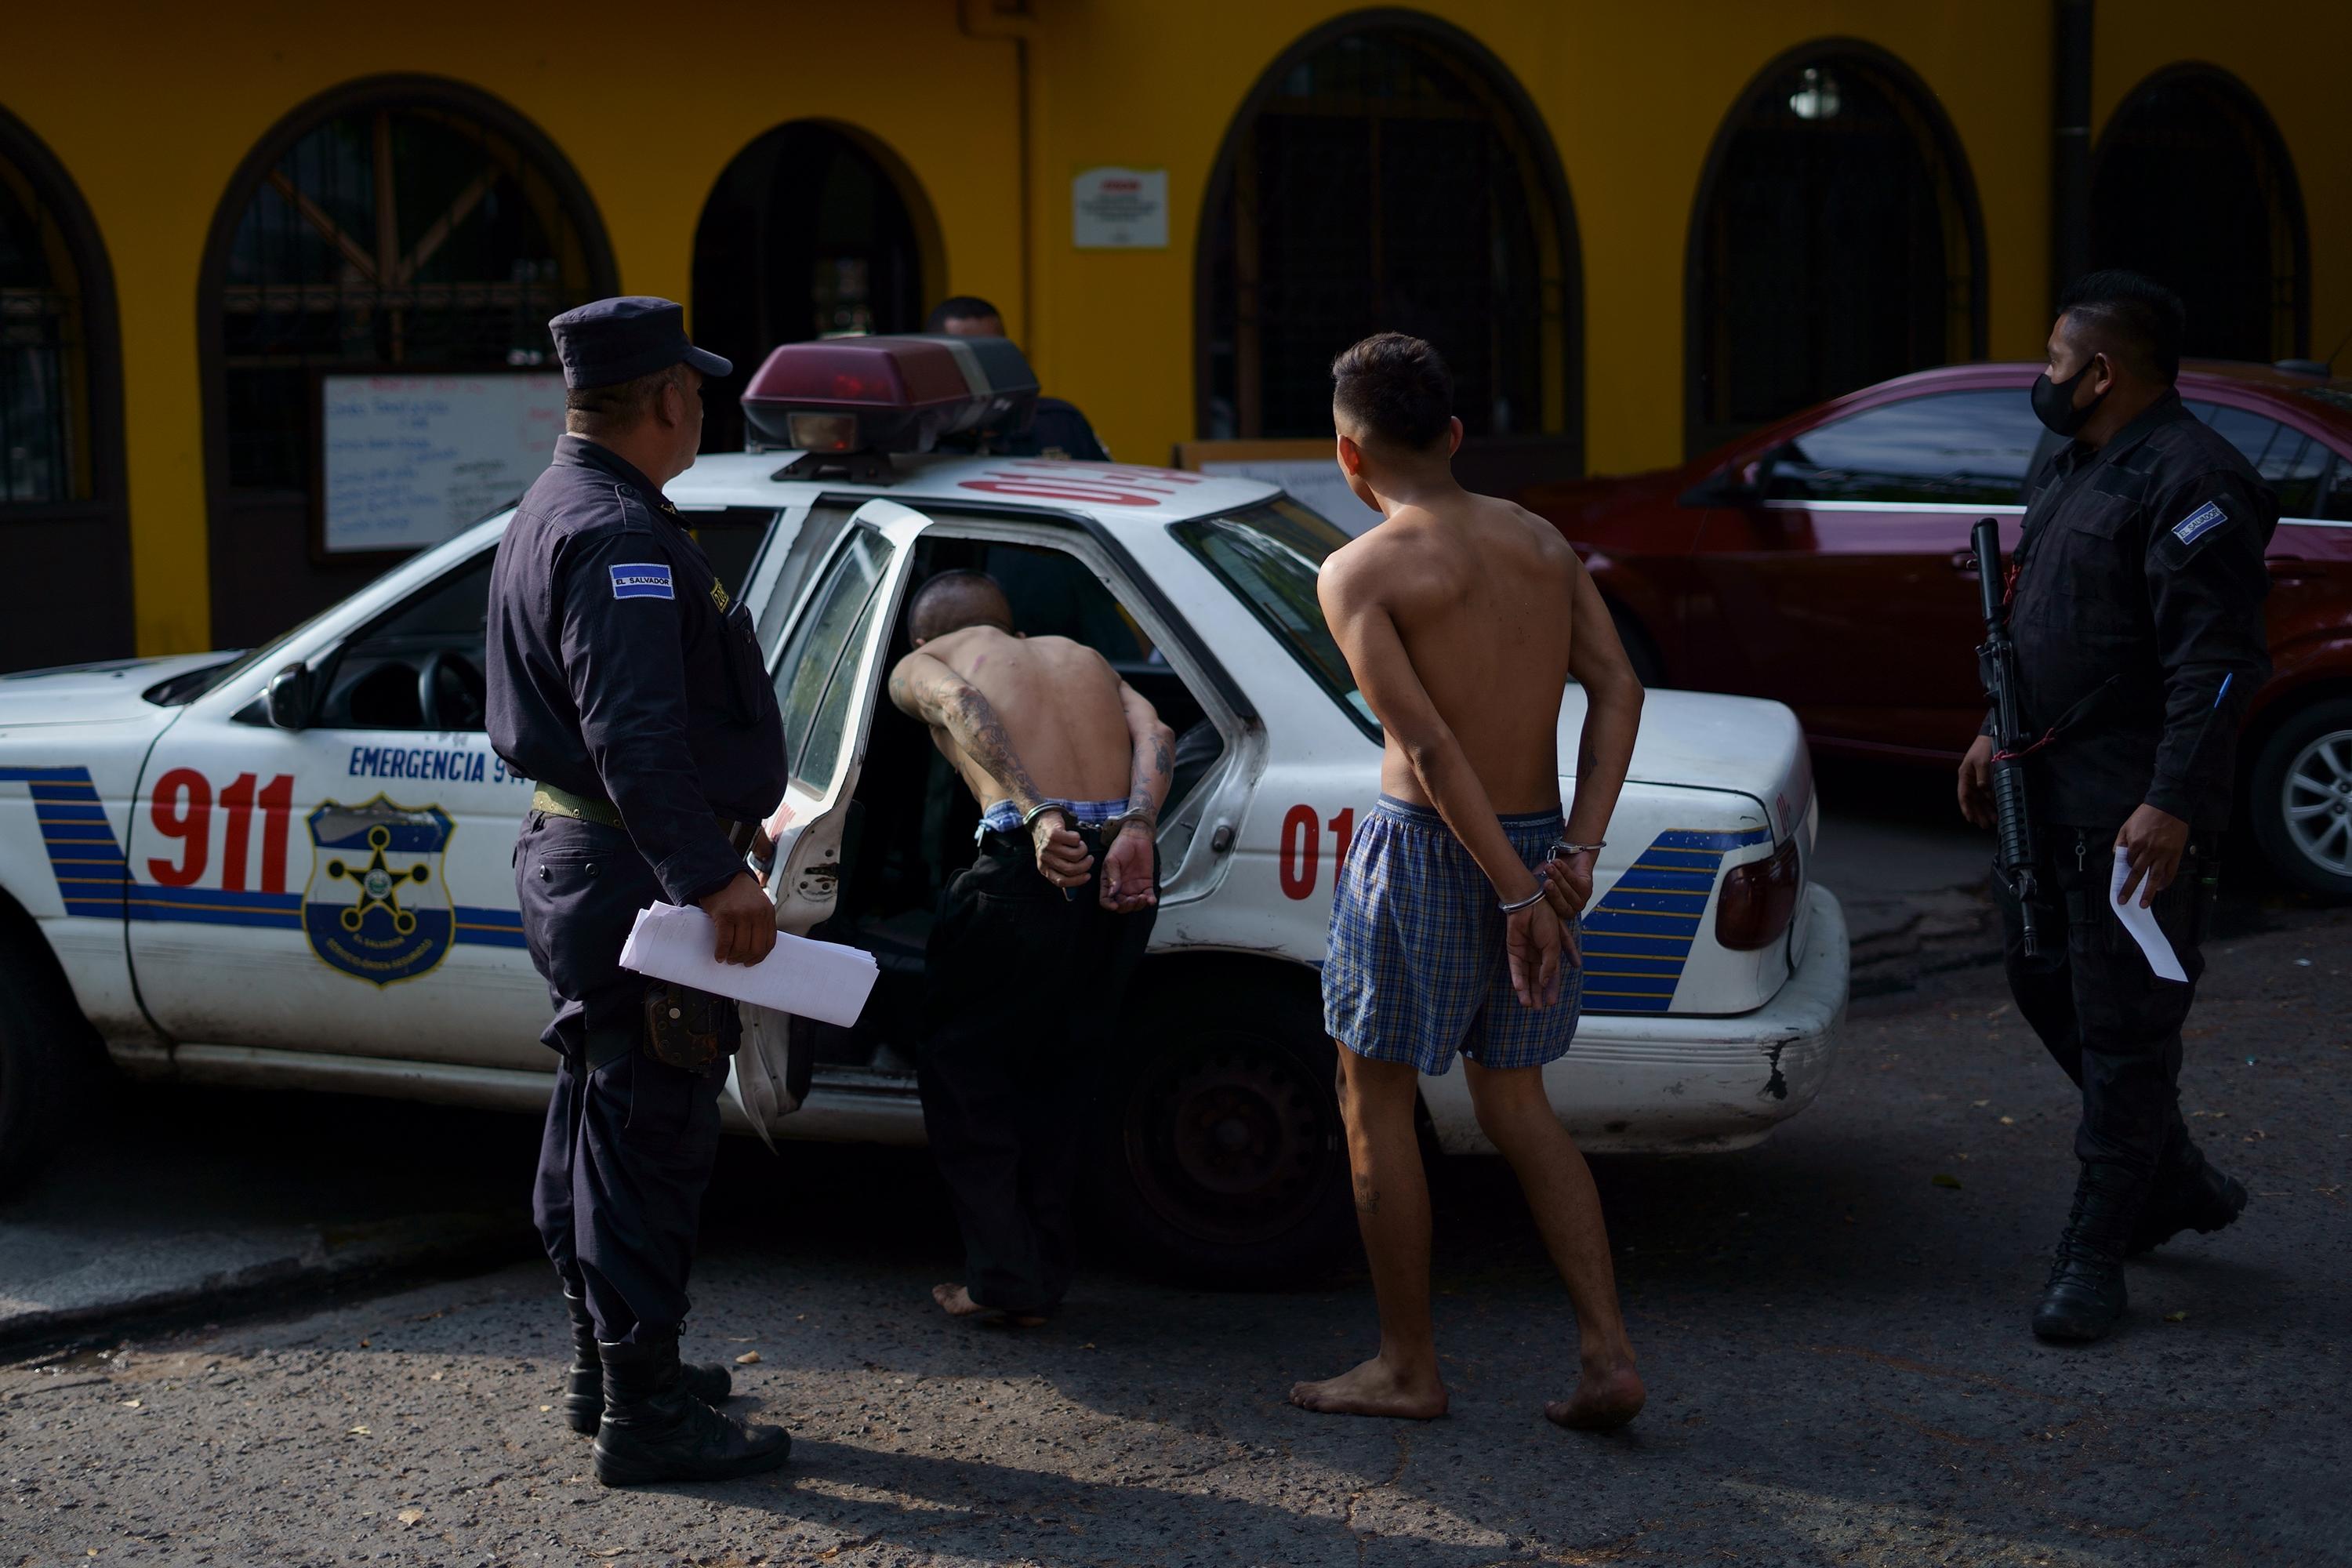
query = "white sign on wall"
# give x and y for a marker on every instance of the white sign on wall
(409, 461)
(1119, 209)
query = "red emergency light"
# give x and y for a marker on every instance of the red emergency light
(873, 397)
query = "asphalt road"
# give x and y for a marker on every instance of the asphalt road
(1832, 1327)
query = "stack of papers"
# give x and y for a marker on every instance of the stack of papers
(819, 980)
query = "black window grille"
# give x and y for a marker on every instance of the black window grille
(398, 236)
(1383, 185)
(2193, 186)
(1836, 246)
(44, 386)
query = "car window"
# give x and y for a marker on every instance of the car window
(817, 683)
(419, 665)
(1970, 448)
(1269, 556)
(2292, 464)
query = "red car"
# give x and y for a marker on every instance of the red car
(1824, 562)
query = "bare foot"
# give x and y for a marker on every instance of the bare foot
(1605, 1401)
(1374, 1389)
(957, 1302)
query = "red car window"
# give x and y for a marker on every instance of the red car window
(1970, 448)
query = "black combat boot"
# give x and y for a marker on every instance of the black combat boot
(2188, 1194)
(584, 1386)
(653, 1430)
(2086, 1294)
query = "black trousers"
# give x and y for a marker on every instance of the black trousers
(1023, 990)
(2099, 1008)
(629, 1141)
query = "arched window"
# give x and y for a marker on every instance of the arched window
(405, 225)
(1387, 175)
(1836, 242)
(813, 229)
(62, 528)
(2192, 185)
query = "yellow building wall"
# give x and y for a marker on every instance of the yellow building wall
(153, 115)
(1632, 97)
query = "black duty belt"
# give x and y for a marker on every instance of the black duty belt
(744, 836)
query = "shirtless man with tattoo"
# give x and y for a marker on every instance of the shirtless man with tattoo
(1454, 925)
(1036, 943)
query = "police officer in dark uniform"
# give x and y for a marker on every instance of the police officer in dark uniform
(1057, 430)
(625, 681)
(2136, 606)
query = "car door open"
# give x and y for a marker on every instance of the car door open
(828, 680)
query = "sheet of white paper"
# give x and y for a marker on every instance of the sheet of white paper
(2140, 922)
(819, 980)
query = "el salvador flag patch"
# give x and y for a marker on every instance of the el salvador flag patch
(2190, 528)
(648, 580)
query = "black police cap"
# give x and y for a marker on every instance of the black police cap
(607, 342)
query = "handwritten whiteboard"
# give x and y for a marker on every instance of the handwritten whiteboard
(409, 461)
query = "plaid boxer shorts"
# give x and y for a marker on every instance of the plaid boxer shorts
(1416, 969)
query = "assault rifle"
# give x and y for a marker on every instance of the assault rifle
(1997, 660)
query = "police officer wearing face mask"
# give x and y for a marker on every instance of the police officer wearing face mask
(2137, 605)
(625, 681)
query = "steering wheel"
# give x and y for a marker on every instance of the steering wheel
(449, 677)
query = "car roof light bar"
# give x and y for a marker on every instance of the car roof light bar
(856, 402)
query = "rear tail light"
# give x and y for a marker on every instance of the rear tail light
(1759, 899)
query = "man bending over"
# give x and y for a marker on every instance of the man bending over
(1452, 928)
(1036, 943)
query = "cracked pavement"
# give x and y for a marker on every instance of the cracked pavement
(1832, 1327)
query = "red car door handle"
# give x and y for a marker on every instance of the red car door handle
(2291, 569)
(1965, 561)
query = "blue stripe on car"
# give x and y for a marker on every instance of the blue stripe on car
(94, 879)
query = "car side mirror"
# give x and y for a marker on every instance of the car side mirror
(1735, 485)
(288, 699)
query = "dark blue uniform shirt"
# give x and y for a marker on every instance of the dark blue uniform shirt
(621, 669)
(2138, 618)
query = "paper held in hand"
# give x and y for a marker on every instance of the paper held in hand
(2140, 922)
(819, 980)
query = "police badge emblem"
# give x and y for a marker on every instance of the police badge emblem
(377, 906)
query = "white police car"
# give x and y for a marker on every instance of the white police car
(291, 867)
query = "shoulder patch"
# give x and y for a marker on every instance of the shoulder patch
(647, 580)
(2199, 523)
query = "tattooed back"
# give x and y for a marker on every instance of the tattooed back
(1058, 704)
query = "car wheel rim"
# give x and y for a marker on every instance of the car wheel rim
(2317, 800)
(1232, 1143)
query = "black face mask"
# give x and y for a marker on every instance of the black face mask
(2053, 401)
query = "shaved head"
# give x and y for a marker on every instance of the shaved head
(954, 600)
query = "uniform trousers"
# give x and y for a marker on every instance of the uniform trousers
(2101, 1011)
(1022, 996)
(629, 1141)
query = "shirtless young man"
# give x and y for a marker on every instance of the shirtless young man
(1453, 929)
(1036, 943)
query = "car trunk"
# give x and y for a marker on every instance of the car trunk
(1717, 784)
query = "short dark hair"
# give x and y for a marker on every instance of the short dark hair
(951, 601)
(1394, 389)
(958, 307)
(2131, 314)
(617, 408)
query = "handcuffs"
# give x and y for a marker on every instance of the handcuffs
(1560, 850)
(1111, 828)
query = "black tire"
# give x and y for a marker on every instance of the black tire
(2307, 762)
(41, 1047)
(1640, 651)
(1220, 1157)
